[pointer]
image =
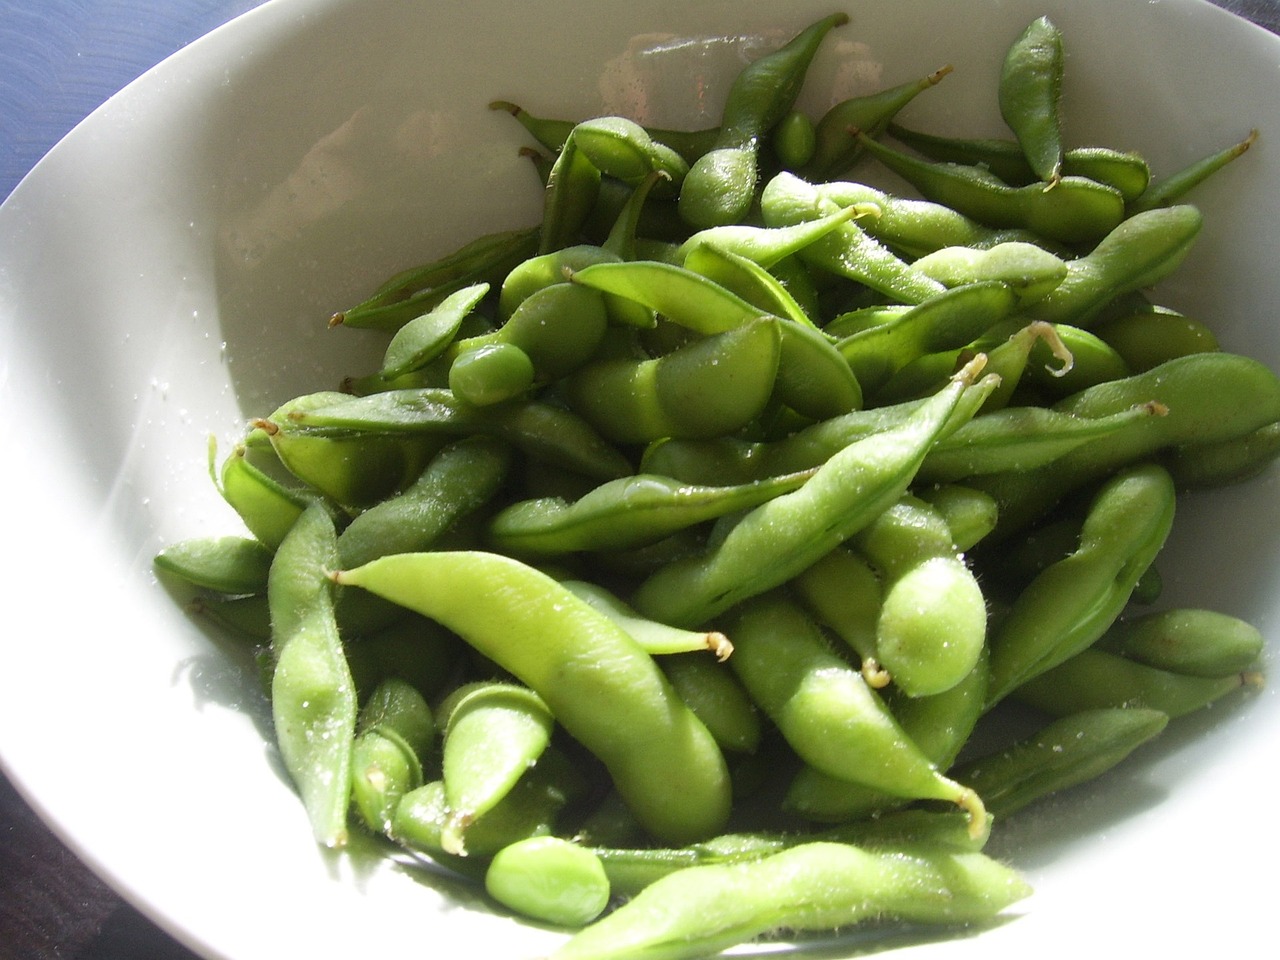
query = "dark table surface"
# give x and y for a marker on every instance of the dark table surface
(59, 60)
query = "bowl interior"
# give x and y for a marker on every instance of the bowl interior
(167, 273)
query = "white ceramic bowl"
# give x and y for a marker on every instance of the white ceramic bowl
(165, 273)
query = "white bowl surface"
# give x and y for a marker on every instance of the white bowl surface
(166, 273)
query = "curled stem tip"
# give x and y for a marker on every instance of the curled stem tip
(720, 645)
(1049, 334)
(972, 804)
(337, 320)
(968, 374)
(876, 676)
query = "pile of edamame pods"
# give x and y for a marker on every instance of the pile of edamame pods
(676, 571)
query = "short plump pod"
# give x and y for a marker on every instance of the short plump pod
(493, 732)
(706, 388)
(600, 685)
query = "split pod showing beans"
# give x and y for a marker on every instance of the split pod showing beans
(659, 575)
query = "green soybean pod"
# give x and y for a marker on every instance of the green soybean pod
(702, 910)
(970, 514)
(1170, 189)
(1030, 270)
(624, 513)
(550, 880)
(1072, 602)
(1217, 463)
(656, 638)
(573, 186)
(229, 565)
(844, 593)
(493, 733)
(794, 139)
(721, 184)
(1030, 91)
(351, 468)
(268, 507)
(1069, 751)
(557, 326)
(394, 732)
(531, 809)
(1095, 678)
(313, 697)
(461, 478)
(1148, 338)
(774, 542)
(416, 291)
(931, 626)
(939, 725)
(426, 337)
(1188, 640)
(835, 144)
(622, 148)
(711, 386)
(952, 319)
(491, 373)
(848, 251)
(825, 710)
(1075, 211)
(1138, 252)
(600, 685)
(716, 697)
(432, 415)
(914, 227)
(1208, 398)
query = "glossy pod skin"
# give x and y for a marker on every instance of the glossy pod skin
(636, 727)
